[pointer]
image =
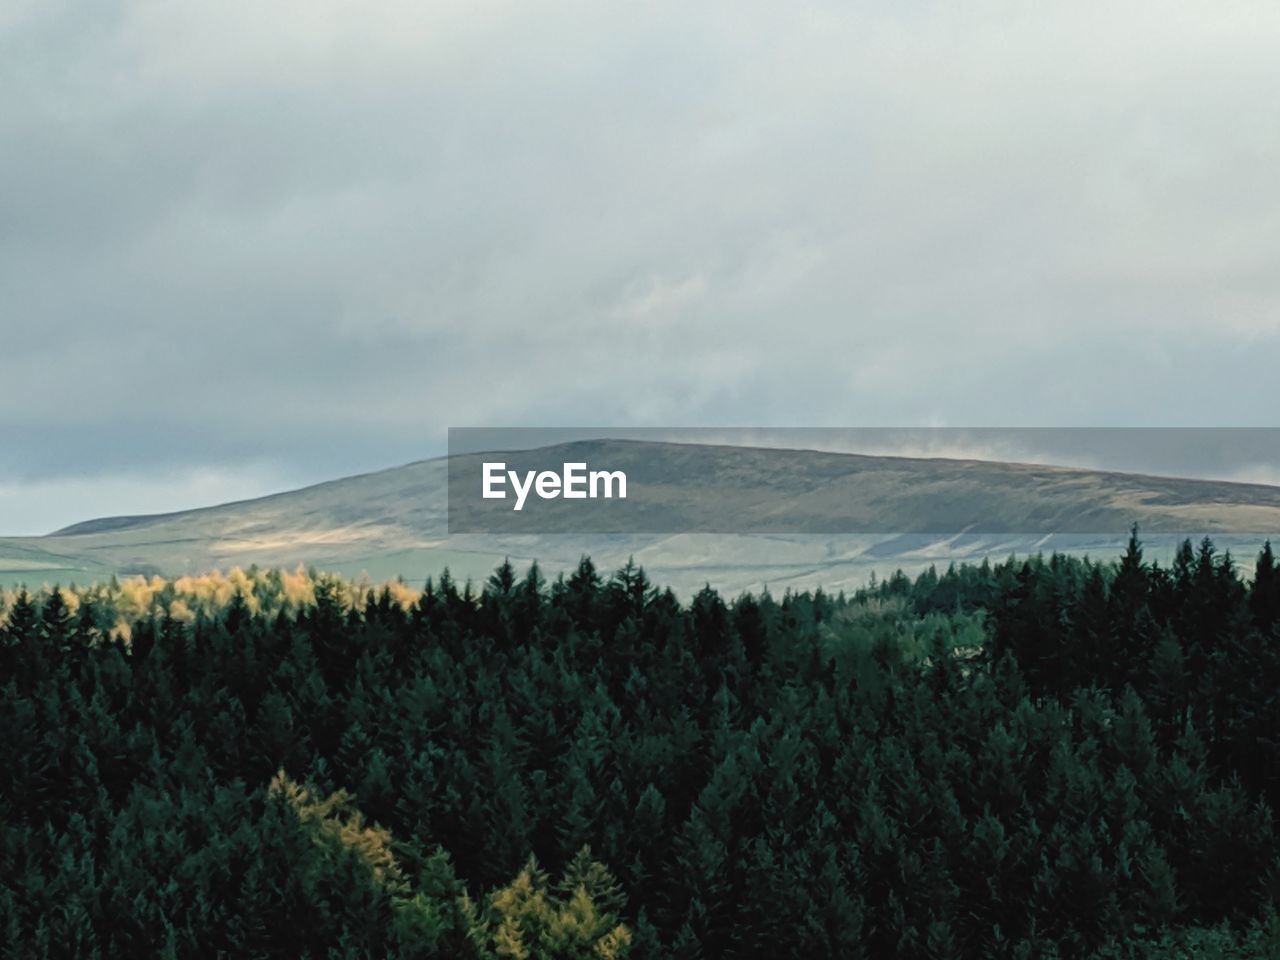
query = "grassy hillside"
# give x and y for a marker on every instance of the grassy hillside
(393, 522)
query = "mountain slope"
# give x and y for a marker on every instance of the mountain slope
(393, 522)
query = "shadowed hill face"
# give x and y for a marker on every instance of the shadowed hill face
(835, 516)
(697, 488)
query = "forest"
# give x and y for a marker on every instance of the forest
(1046, 757)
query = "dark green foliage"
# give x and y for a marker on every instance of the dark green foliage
(1045, 758)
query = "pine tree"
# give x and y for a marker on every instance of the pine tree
(1264, 598)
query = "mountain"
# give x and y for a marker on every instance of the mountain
(394, 522)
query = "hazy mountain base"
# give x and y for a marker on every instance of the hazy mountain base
(684, 562)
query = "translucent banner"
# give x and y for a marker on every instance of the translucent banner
(937, 481)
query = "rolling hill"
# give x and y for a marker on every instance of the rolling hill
(394, 522)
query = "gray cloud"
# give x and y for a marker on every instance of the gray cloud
(299, 240)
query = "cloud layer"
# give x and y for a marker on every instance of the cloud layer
(312, 235)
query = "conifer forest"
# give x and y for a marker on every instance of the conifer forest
(1051, 757)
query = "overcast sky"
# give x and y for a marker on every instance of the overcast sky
(245, 246)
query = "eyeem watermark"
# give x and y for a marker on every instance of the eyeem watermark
(573, 482)
(936, 482)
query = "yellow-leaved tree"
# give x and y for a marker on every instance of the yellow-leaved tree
(529, 919)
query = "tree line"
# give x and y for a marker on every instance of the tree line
(1042, 758)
